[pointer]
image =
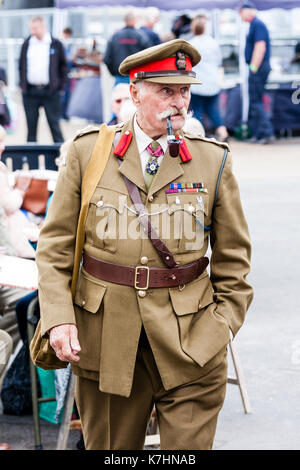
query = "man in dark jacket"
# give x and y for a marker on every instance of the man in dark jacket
(123, 43)
(43, 73)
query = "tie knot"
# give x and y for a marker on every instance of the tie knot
(155, 149)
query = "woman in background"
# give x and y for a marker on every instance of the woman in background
(11, 200)
(205, 98)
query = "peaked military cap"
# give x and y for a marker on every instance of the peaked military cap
(170, 62)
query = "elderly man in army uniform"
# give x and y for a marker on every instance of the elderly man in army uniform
(150, 321)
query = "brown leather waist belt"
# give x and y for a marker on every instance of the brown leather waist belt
(144, 277)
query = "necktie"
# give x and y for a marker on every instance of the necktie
(155, 151)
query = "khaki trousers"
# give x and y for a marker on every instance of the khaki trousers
(187, 415)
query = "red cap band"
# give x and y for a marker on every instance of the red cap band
(160, 65)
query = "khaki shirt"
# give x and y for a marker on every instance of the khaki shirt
(186, 326)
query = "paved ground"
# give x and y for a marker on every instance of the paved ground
(269, 342)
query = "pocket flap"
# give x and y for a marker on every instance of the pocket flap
(108, 199)
(89, 293)
(189, 202)
(195, 295)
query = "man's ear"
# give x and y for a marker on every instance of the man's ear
(134, 92)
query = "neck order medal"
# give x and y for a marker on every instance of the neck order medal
(152, 167)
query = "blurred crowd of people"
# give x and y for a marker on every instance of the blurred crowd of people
(65, 79)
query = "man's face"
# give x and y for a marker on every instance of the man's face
(37, 29)
(118, 100)
(246, 14)
(155, 100)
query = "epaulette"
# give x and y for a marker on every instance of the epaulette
(94, 128)
(86, 130)
(206, 139)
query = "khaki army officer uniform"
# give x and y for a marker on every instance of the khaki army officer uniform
(159, 345)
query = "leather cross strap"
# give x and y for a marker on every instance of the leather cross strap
(163, 251)
(144, 277)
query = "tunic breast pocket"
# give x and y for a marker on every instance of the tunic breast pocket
(105, 217)
(187, 213)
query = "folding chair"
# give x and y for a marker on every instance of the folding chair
(69, 401)
(31, 324)
(239, 379)
(31, 156)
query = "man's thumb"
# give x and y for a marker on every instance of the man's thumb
(74, 339)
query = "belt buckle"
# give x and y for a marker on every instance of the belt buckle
(136, 277)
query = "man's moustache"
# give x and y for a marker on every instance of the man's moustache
(172, 112)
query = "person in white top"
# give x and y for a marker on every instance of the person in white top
(11, 199)
(43, 74)
(205, 98)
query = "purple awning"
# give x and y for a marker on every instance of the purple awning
(179, 5)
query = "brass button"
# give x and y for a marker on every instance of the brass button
(83, 303)
(142, 293)
(99, 203)
(200, 306)
(191, 209)
(144, 260)
(150, 198)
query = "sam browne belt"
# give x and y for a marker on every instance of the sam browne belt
(144, 277)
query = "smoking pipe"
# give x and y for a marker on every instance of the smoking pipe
(173, 143)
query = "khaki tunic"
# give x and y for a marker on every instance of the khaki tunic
(186, 326)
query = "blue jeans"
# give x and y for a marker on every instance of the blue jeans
(258, 120)
(209, 105)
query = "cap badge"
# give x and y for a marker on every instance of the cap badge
(180, 60)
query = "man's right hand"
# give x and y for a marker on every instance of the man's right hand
(64, 341)
(23, 183)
